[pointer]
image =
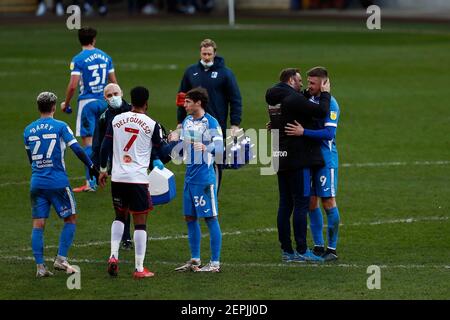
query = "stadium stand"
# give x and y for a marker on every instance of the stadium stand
(13, 6)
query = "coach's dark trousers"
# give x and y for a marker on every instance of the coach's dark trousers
(293, 185)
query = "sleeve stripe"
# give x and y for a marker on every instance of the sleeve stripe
(75, 73)
(112, 70)
(27, 147)
(217, 138)
(71, 142)
(330, 124)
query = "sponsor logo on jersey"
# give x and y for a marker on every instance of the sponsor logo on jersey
(214, 74)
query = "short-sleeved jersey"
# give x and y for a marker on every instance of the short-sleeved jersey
(93, 67)
(200, 169)
(47, 139)
(328, 147)
(133, 137)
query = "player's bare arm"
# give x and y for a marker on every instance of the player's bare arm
(72, 86)
(112, 77)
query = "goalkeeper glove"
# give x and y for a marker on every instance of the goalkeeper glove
(158, 164)
(68, 109)
(181, 96)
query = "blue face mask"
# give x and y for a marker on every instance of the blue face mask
(115, 102)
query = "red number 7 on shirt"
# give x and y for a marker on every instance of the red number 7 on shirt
(133, 138)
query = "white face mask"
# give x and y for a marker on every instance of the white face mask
(207, 64)
(115, 102)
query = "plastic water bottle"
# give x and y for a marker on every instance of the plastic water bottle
(247, 150)
(68, 109)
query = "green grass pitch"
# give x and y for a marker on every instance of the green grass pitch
(393, 140)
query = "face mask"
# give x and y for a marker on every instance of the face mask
(206, 65)
(115, 102)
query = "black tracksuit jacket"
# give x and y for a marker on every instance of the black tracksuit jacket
(285, 106)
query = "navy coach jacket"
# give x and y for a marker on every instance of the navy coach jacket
(222, 88)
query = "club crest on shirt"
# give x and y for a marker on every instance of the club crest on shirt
(333, 115)
(127, 158)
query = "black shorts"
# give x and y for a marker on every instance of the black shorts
(132, 197)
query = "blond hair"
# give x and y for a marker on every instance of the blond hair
(208, 43)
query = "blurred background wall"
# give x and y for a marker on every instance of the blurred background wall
(194, 6)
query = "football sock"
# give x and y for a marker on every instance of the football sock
(37, 244)
(88, 151)
(116, 234)
(66, 238)
(140, 245)
(316, 225)
(333, 227)
(215, 235)
(194, 236)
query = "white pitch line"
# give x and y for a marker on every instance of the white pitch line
(393, 164)
(15, 183)
(344, 165)
(253, 27)
(238, 232)
(127, 66)
(248, 264)
(280, 27)
(407, 220)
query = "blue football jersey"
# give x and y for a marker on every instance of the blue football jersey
(93, 67)
(328, 147)
(200, 165)
(47, 138)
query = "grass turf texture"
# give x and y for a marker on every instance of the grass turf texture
(391, 86)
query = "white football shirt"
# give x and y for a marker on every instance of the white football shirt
(132, 147)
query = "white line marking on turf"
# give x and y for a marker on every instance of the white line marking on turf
(397, 163)
(249, 264)
(143, 66)
(238, 232)
(120, 65)
(15, 183)
(407, 220)
(344, 165)
(278, 27)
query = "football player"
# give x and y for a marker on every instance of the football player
(202, 140)
(131, 138)
(45, 142)
(91, 69)
(325, 178)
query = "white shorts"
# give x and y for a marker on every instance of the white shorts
(81, 105)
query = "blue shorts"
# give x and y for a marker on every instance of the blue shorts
(324, 182)
(200, 200)
(90, 110)
(62, 200)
